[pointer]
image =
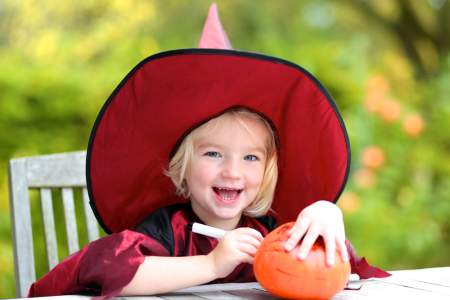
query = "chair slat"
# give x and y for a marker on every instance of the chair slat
(71, 223)
(91, 221)
(63, 171)
(21, 225)
(56, 170)
(51, 243)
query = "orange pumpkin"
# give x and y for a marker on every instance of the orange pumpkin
(284, 275)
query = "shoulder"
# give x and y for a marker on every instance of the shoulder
(158, 225)
(159, 218)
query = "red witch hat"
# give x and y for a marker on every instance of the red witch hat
(168, 94)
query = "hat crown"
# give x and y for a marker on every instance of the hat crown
(214, 35)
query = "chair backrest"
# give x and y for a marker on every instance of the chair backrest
(63, 172)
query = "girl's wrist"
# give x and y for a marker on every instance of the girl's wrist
(210, 266)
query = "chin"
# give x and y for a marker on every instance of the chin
(228, 214)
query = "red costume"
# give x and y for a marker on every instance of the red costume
(105, 266)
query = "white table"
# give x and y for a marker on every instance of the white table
(427, 284)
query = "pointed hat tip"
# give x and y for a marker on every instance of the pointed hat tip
(214, 36)
(213, 8)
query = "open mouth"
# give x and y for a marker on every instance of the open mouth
(227, 194)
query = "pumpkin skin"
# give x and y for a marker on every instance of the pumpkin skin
(284, 275)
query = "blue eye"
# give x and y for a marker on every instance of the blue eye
(251, 157)
(214, 154)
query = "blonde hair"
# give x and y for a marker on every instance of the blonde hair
(179, 162)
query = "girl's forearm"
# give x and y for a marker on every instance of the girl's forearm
(159, 274)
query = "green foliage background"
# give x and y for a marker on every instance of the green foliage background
(383, 61)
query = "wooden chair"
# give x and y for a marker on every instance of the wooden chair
(64, 172)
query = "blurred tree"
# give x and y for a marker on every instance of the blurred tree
(422, 28)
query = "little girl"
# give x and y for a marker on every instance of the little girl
(227, 168)
(235, 140)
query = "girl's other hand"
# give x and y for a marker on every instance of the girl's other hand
(236, 247)
(322, 218)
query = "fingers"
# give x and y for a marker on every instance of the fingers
(330, 248)
(246, 258)
(307, 242)
(253, 232)
(244, 245)
(247, 249)
(324, 219)
(296, 233)
(251, 240)
(340, 243)
(244, 241)
(247, 232)
(342, 248)
(333, 244)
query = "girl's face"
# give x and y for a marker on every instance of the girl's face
(226, 171)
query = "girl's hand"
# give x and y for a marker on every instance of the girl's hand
(236, 247)
(321, 218)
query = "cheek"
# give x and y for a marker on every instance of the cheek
(200, 173)
(255, 177)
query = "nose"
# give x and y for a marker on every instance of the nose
(231, 168)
